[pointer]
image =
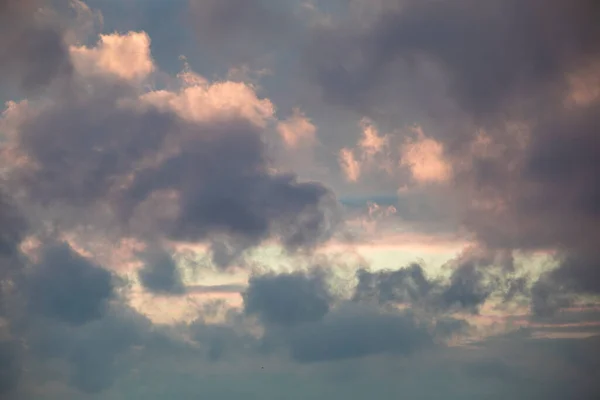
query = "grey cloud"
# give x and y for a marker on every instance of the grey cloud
(446, 327)
(405, 285)
(218, 20)
(238, 197)
(14, 226)
(491, 51)
(476, 276)
(161, 275)
(299, 315)
(287, 299)
(239, 31)
(10, 368)
(68, 287)
(501, 61)
(99, 142)
(355, 333)
(467, 289)
(94, 355)
(93, 351)
(86, 146)
(224, 341)
(577, 273)
(547, 298)
(32, 46)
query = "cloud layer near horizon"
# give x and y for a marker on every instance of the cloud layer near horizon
(232, 193)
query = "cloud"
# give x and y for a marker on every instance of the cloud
(350, 166)
(239, 30)
(68, 287)
(287, 299)
(14, 226)
(476, 276)
(125, 56)
(161, 275)
(10, 368)
(371, 153)
(507, 117)
(32, 48)
(352, 333)
(118, 177)
(425, 159)
(297, 130)
(201, 147)
(490, 52)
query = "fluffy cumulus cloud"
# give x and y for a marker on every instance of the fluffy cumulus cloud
(405, 205)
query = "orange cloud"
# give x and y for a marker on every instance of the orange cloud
(371, 152)
(202, 102)
(584, 86)
(125, 56)
(425, 159)
(350, 166)
(297, 130)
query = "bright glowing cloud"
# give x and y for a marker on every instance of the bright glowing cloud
(425, 159)
(124, 56)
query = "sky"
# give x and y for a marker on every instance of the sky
(291, 199)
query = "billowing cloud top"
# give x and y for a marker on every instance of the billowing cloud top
(299, 199)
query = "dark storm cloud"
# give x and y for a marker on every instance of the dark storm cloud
(32, 48)
(492, 51)
(287, 299)
(68, 287)
(161, 275)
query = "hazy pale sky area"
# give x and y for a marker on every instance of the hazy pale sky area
(300, 199)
